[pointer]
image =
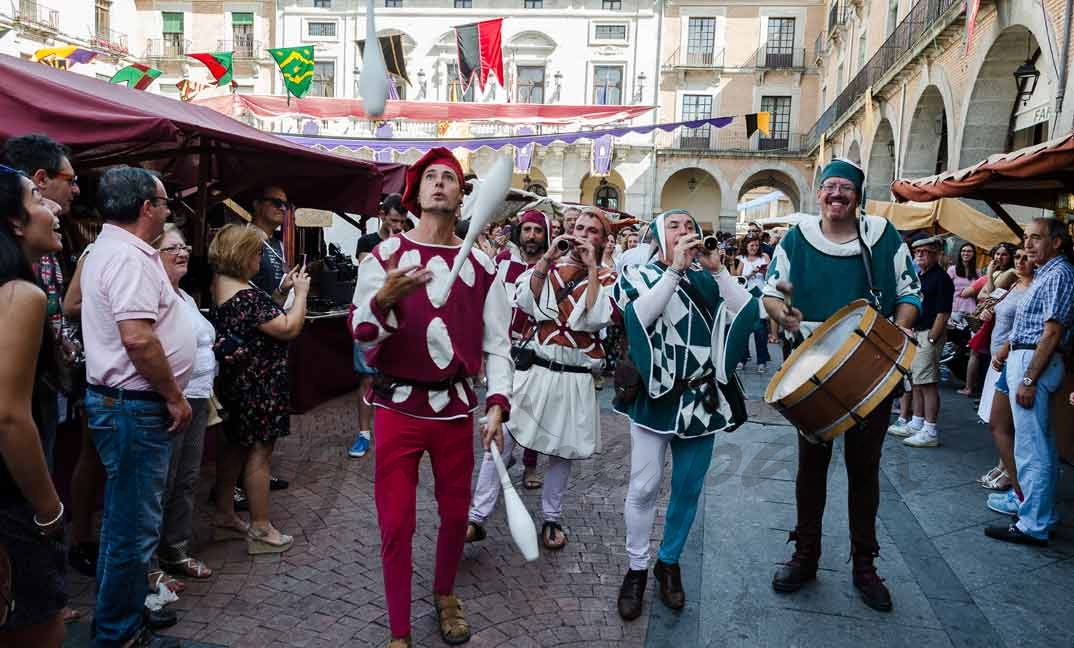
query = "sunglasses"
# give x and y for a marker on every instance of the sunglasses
(276, 202)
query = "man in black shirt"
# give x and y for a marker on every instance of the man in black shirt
(393, 220)
(274, 277)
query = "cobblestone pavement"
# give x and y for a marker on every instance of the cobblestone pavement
(951, 585)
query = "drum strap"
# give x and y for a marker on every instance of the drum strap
(867, 259)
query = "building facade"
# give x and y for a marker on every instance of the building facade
(567, 52)
(938, 102)
(730, 59)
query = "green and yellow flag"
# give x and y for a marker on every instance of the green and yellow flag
(296, 64)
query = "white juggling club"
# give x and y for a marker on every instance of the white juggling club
(490, 195)
(523, 531)
(374, 81)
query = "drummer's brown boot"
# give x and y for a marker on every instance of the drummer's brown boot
(871, 587)
(632, 594)
(800, 569)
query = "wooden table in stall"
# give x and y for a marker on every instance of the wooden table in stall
(321, 361)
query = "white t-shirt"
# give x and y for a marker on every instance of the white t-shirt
(205, 369)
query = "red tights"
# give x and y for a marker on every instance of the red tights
(400, 442)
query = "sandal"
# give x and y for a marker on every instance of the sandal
(547, 539)
(475, 532)
(401, 642)
(1000, 483)
(984, 479)
(157, 577)
(454, 629)
(189, 567)
(257, 542)
(530, 480)
(233, 531)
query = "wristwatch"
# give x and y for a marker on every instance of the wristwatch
(1027, 381)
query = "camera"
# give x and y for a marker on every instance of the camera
(563, 246)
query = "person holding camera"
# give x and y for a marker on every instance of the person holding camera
(753, 265)
(685, 393)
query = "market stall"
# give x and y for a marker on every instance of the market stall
(945, 215)
(1040, 177)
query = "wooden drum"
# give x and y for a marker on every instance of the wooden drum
(839, 375)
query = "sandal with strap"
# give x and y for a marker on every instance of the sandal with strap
(475, 532)
(157, 577)
(454, 629)
(546, 536)
(189, 567)
(1000, 483)
(401, 642)
(530, 479)
(984, 479)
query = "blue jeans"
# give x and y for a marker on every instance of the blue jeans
(1035, 454)
(135, 448)
(760, 341)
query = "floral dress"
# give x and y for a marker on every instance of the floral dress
(255, 388)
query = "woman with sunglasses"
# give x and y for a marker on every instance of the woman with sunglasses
(995, 402)
(32, 581)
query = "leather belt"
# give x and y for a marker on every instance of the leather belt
(1023, 346)
(551, 365)
(126, 394)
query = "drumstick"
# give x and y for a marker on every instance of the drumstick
(787, 289)
(523, 531)
(374, 81)
(490, 194)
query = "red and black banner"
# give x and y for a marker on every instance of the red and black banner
(394, 57)
(480, 51)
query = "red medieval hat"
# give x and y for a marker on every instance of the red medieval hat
(439, 155)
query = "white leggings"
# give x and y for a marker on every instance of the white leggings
(487, 489)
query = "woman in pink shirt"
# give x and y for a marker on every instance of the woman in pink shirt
(963, 273)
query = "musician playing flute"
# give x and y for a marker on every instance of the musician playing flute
(822, 261)
(677, 311)
(427, 344)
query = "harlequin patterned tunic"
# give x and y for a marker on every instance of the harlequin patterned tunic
(426, 338)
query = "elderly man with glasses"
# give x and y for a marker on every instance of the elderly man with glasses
(822, 259)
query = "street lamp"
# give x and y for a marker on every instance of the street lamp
(558, 78)
(691, 184)
(1026, 76)
(641, 87)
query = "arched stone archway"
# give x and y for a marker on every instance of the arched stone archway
(531, 181)
(881, 171)
(788, 178)
(926, 145)
(604, 191)
(696, 191)
(773, 179)
(988, 113)
(854, 153)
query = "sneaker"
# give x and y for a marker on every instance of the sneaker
(1005, 503)
(902, 430)
(360, 447)
(922, 439)
(762, 368)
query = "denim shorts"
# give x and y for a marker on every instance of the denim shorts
(39, 566)
(1001, 382)
(360, 365)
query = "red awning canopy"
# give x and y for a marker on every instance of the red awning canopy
(512, 113)
(1034, 176)
(106, 124)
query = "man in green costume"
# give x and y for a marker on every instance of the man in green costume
(822, 260)
(688, 323)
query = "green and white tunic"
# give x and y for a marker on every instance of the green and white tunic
(695, 335)
(827, 276)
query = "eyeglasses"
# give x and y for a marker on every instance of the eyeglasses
(837, 187)
(71, 178)
(276, 202)
(176, 249)
(155, 199)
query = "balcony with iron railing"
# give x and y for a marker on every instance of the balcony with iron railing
(34, 15)
(820, 46)
(244, 48)
(926, 20)
(838, 16)
(110, 40)
(728, 141)
(695, 59)
(169, 47)
(782, 58)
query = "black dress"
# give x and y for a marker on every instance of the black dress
(255, 389)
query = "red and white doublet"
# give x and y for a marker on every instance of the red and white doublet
(509, 268)
(427, 348)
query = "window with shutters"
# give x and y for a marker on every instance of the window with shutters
(779, 51)
(393, 4)
(102, 18)
(242, 32)
(174, 43)
(607, 85)
(464, 4)
(533, 4)
(701, 41)
(324, 79)
(322, 4)
(780, 108)
(321, 29)
(611, 5)
(530, 84)
(616, 33)
(695, 107)
(454, 86)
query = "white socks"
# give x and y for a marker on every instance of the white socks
(917, 422)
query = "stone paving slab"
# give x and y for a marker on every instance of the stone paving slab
(952, 586)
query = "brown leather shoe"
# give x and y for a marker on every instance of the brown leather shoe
(871, 587)
(801, 568)
(670, 585)
(632, 593)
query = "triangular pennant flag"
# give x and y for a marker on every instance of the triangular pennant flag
(136, 75)
(189, 89)
(219, 64)
(764, 123)
(69, 53)
(394, 58)
(751, 125)
(296, 65)
(480, 51)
